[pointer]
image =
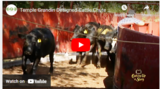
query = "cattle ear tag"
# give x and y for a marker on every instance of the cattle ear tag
(39, 40)
(99, 30)
(105, 31)
(85, 31)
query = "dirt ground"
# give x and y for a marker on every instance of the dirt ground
(67, 74)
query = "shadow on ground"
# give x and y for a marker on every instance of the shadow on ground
(67, 75)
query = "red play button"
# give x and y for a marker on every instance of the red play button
(80, 44)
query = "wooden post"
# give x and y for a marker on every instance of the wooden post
(99, 5)
(31, 4)
(71, 4)
(58, 4)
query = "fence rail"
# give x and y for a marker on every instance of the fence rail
(58, 22)
(82, 34)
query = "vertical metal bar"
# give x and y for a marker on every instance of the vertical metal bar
(71, 4)
(99, 5)
(58, 4)
(31, 4)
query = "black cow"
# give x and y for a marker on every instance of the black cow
(79, 33)
(90, 29)
(105, 34)
(107, 41)
(38, 43)
(84, 32)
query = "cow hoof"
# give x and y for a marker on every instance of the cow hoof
(83, 62)
(32, 72)
(98, 67)
(83, 65)
(78, 62)
(51, 70)
(78, 66)
(50, 73)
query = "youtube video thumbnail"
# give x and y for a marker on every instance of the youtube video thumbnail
(80, 44)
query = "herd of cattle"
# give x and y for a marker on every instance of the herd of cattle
(40, 42)
(100, 37)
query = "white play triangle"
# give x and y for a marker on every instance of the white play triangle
(80, 44)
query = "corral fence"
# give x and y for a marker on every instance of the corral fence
(62, 24)
(23, 22)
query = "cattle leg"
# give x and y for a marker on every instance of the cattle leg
(93, 53)
(84, 59)
(51, 56)
(79, 58)
(91, 61)
(24, 59)
(34, 67)
(114, 47)
(99, 55)
(112, 57)
(85, 56)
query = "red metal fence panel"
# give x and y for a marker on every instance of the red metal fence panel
(137, 65)
(12, 45)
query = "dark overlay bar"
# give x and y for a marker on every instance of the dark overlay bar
(17, 81)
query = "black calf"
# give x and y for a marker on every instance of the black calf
(38, 43)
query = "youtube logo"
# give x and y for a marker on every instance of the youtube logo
(80, 44)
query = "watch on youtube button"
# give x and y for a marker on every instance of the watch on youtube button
(80, 44)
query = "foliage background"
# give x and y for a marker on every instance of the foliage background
(110, 6)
